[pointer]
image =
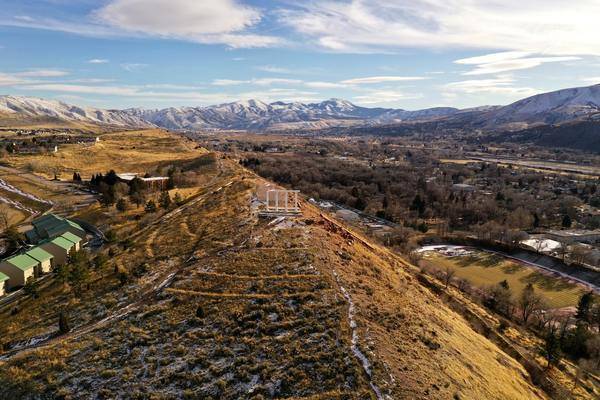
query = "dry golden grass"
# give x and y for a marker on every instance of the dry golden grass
(423, 349)
(130, 151)
(483, 270)
(272, 311)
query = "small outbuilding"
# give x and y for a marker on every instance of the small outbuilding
(18, 269)
(44, 259)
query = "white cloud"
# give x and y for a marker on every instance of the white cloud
(227, 82)
(203, 21)
(385, 96)
(11, 80)
(273, 69)
(25, 77)
(325, 85)
(537, 26)
(593, 80)
(380, 79)
(138, 93)
(256, 81)
(172, 86)
(42, 73)
(98, 61)
(25, 18)
(507, 61)
(501, 85)
(274, 81)
(131, 67)
(87, 89)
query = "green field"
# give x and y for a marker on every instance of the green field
(483, 269)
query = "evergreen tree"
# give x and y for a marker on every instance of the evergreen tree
(566, 221)
(63, 323)
(170, 183)
(418, 205)
(31, 287)
(165, 199)
(111, 178)
(551, 350)
(584, 307)
(536, 220)
(79, 272)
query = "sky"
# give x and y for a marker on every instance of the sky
(379, 53)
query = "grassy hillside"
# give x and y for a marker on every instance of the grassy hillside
(232, 306)
(129, 151)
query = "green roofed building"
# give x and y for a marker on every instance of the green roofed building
(59, 247)
(72, 238)
(18, 269)
(3, 279)
(49, 226)
(43, 257)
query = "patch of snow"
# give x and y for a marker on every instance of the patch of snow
(364, 361)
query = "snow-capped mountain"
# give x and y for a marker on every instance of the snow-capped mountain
(547, 108)
(36, 107)
(255, 114)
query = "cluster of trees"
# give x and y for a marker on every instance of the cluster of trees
(76, 272)
(422, 190)
(576, 337)
(114, 191)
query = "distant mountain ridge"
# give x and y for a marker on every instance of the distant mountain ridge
(35, 107)
(255, 114)
(567, 105)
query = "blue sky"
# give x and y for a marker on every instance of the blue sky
(388, 53)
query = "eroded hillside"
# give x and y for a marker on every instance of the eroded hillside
(229, 305)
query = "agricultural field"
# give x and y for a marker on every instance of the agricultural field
(484, 269)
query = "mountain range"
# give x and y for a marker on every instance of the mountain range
(557, 107)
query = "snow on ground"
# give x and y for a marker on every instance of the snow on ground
(10, 188)
(17, 205)
(364, 361)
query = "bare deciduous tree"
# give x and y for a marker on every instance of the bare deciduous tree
(529, 303)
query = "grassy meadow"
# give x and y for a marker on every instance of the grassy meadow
(484, 269)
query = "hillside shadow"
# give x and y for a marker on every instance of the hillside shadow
(546, 282)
